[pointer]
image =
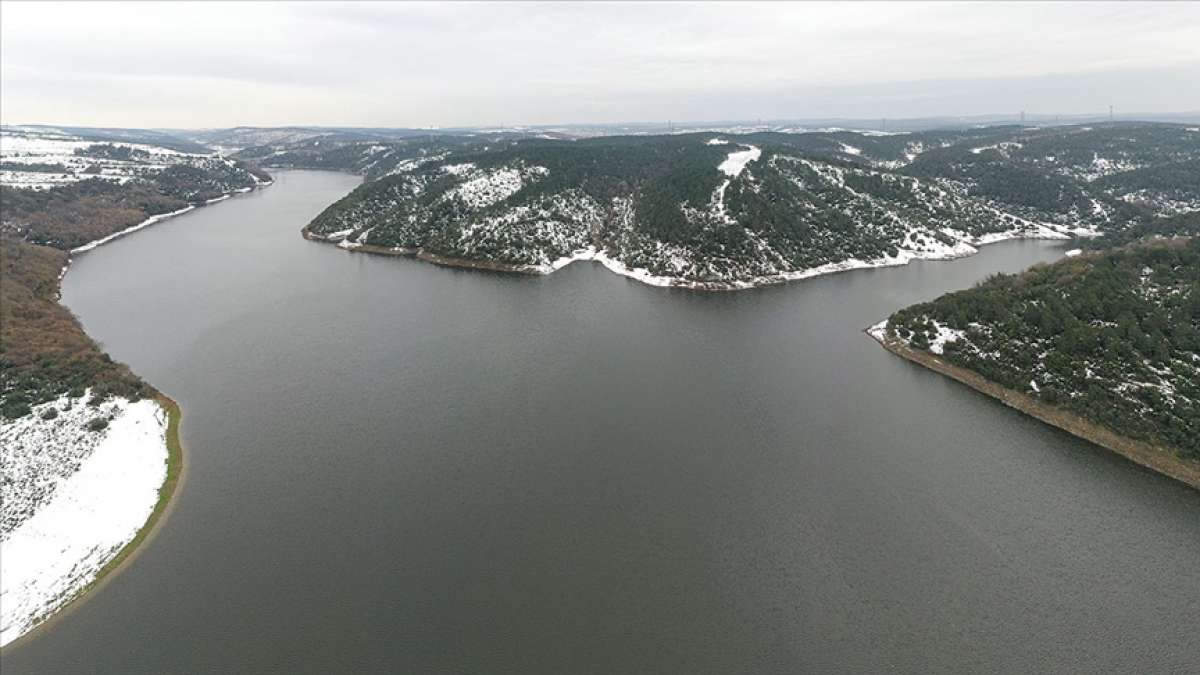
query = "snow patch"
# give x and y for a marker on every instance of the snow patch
(489, 188)
(944, 335)
(737, 161)
(145, 223)
(103, 492)
(879, 330)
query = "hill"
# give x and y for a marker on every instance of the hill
(1112, 337)
(98, 189)
(723, 211)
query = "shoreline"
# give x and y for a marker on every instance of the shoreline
(175, 470)
(1157, 458)
(968, 249)
(419, 254)
(157, 219)
(163, 507)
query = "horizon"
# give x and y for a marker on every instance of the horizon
(924, 123)
(538, 65)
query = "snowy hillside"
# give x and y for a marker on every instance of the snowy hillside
(725, 211)
(42, 158)
(1111, 336)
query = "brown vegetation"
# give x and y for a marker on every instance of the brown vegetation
(73, 215)
(43, 349)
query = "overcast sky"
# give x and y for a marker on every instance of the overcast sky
(460, 64)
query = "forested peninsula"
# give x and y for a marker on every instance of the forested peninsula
(1105, 345)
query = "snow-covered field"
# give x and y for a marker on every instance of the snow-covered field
(736, 161)
(37, 158)
(733, 166)
(72, 498)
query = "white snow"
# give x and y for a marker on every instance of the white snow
(340, 234)
(879, 330)
(733, 165)
(105, 485)
(945, 334)
(588, 253)
(641, 274)
(28, 146)
(931, 250)
(737, 161)
(489, 188)
(645, 276)
(406, 165)
(1073, 252)
(1002, 147)
(145, 223)
(458, 169)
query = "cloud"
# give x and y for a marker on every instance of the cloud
(409, 64)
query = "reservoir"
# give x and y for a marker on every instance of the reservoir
(394, 466)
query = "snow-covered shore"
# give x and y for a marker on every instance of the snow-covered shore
(161, 217)
(134, 228)
(73, 498)
(961, 249)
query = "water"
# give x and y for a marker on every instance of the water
(392, 465)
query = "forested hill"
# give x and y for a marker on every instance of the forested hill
(61, 191)
(713, 209)
(1112, 336)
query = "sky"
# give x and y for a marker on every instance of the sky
(211, 64)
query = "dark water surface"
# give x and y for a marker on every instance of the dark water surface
(397, 466)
